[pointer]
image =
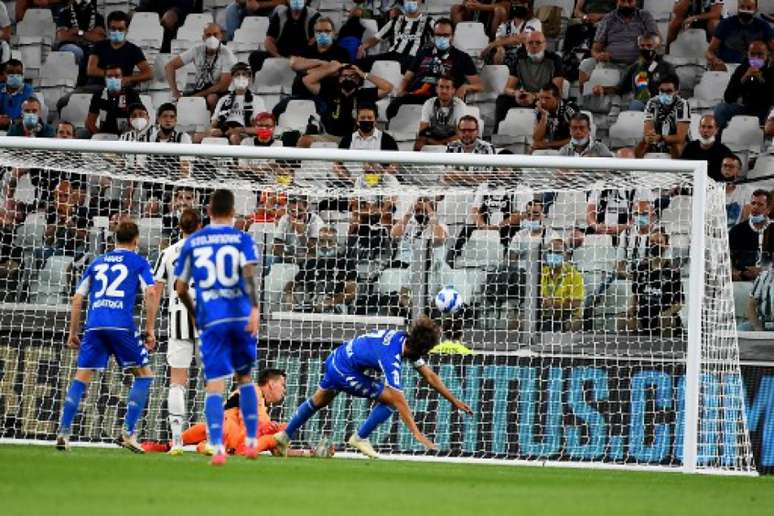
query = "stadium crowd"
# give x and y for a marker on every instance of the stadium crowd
(592, 78)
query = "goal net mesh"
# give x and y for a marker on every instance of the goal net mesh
(574, 285)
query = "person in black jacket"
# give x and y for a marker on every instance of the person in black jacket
(751, 83)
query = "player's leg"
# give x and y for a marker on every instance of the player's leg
(216, 359)
(380, 413)
(244, 355)
(130, 353)
(179, 357)
(321, 398)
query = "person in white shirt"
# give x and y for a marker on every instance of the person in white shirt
(737, 196)
(532, 234)
(212, 60)
(297, 232)
(440, 115)
(420, 222)
(233, 115)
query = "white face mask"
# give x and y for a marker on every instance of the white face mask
(139, 123)
(707, 141)
(240, 83)
(212, 43)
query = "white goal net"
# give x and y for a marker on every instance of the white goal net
(597, 299)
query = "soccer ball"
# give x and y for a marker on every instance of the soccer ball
(448, 300)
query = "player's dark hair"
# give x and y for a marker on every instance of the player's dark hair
(423, 336)
(270, 374)
(222, 203)
(126, 232)
(189, 221)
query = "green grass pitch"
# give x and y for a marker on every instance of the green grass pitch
(37, 480)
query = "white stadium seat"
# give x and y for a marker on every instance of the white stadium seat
(628, 129)
(483, 249)
(296, 115)
(405, 125)
(743, 133)
(709, 91)
(76, 109)
(470, 37)
(275, 76)
(192, 113)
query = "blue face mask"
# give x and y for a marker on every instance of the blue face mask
(323, 38)
(117, 36)
(533, 225)
(581, 142)
(641, 220)
(326, 252)
(410, 7)
(297, 5)
(30, 120)
(757, 219)
(14, 81)
(442, 43)
(113, 84)
(666, 98)
(554, 259)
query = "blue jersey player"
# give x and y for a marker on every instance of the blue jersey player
(111, 282)
(346, 371)
(220, 262)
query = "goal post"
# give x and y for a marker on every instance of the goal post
(621, 354)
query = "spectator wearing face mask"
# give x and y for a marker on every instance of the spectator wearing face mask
(581, 144)
(561, 290)
(532, 233)
(708, 148)
(634, 241)
(297, 232)
(31, 123)
(440, 116)
(749, 91)
(109, 108)
(641, 79)
(734, 35)
(13, 92)
(512, 34)
(117, 51)
(291, 30)
(533, 68)
(440, 60)
(322, 51)
(139, 124)
(406, 33)
(212, 61)
(264, 132)
(752, 240)
(367, 136)
(338, 90)
(667, 120)
(657, 291)
(233, 115)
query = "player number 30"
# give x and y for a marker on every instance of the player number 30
(227, 276)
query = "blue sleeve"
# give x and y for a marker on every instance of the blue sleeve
(391, 366)
(183, 265)
(249, 254)
(146, 276)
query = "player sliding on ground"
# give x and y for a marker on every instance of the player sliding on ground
(182, 332)
(221, 261)
(110, 283)
(271, 391)
(382, 351)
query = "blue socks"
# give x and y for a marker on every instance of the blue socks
(379, 414)
(213, 410)
(248, 404)
(302, 415)
(70, 406)
(138, 397)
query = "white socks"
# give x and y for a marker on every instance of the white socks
(176, 408)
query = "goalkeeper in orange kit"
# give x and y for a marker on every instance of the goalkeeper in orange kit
(270, 391)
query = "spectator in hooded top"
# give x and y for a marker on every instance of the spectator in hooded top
(212, 61)
(693, 14)
(615, 42)
(552, 127)
(116, 50)
(707, 147)
(751, 83)
(234, 114)
(440, 115)
(406, 33)
(440, 60)
(78, 27)
(667, 120)
(512, 34)
(109, 108)
(13, 92)
(238, 10)
(734, 35)
(291, 30)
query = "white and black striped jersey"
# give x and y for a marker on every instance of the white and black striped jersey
(407, 35)
(181, 324)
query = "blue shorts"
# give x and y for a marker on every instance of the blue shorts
(347, 380)
(125, 345)
(226, 348)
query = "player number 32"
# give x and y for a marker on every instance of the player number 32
(226, 276)
(107, 287)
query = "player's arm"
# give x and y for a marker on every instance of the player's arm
(395, 399)
(435, 382)
(73, 340)
(251, 284)
(152, 298)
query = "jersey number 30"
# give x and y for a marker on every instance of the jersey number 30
(227, 275)
(107, 287)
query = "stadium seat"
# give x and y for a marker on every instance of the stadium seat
(58, 76)
(628, 129)
(279, 276)
(742, 291)
(470, 37)
(405, 125)
(150, 236)
(34, 37)
(601, 77)
(29, 234)
(325, 145)
(105, 137)
(389, 71)
(371, 27)
(661, 10)
(392, 280)
(657, 155)
(52, 282)
(596, 254)
(709, 91)
(493, 81)
(193, 28)
(483, 249)
(440, 7)
(677, 216)
(567, 210)
(192, 114)
(454, 209)
(566, 5)
(764, 166)
(690, 44)
(297, 114)
(545, 152)
(434, 148)
(743, 133)
(76, 109)
(275, 76)
(517, 125)
(146, 32)
(212, 140)
(251, 35)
